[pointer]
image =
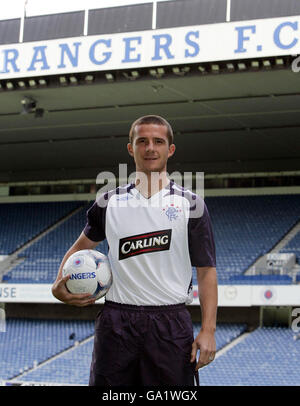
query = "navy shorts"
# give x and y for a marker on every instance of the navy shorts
(143, 345)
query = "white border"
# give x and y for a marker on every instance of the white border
(228, 295)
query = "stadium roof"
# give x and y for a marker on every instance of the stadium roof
(229, 116)
(226, 122)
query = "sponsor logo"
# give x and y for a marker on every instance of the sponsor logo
(144, 243)
(85, 275)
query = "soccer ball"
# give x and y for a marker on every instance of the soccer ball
(90, 273)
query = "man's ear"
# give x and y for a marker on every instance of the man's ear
(130, 149)
(172, 149)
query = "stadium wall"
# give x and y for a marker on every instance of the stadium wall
(248, 315)
(208, 192)
(253, 316)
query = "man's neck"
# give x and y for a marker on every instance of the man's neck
(149, 185)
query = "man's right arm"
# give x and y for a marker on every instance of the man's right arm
(59, 289)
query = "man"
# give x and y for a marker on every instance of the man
(156, 232)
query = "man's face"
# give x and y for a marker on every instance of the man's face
(150, 148)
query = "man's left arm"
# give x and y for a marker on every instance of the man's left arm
(208, 296)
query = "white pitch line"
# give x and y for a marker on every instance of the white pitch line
(47, 361)
(232, 344)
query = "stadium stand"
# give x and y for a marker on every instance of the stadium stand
(293, 246)
(72, 367)
(261, 279)
(42, 259)
(28, 342)
(268, 356)
(225, 333)
(20, 222)
(245, 228)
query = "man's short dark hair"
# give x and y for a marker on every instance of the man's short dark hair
(151, 119)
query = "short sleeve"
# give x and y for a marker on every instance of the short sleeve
(95, 225)
(201, 239)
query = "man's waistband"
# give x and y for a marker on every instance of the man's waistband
(145, 308)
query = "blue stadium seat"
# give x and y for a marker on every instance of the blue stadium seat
(269, 356)
(72, 367)
(40, 340)
(20, 222)
(245, 227)
(261, 279)
(43, 258)
(293, 247)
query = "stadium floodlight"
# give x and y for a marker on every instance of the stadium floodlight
(152, 72)
(73, 80)
(201, 69)
(241, 66)
(181, 71)
(89, 78)
(157, 73)
(279, 62)
(254, 65)
(9, 85)
(215, 68)
(63, 80)
(109, 77)
(42, 82)
(230, 67)
(21, 84)
(132, 76)
(135, 74)
(32, 83)
(267, 64)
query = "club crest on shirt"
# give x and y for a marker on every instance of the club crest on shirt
(171, 211)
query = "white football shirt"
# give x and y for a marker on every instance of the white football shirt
(153, 243)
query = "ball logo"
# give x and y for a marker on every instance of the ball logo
(144, 243)
(78, 262)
